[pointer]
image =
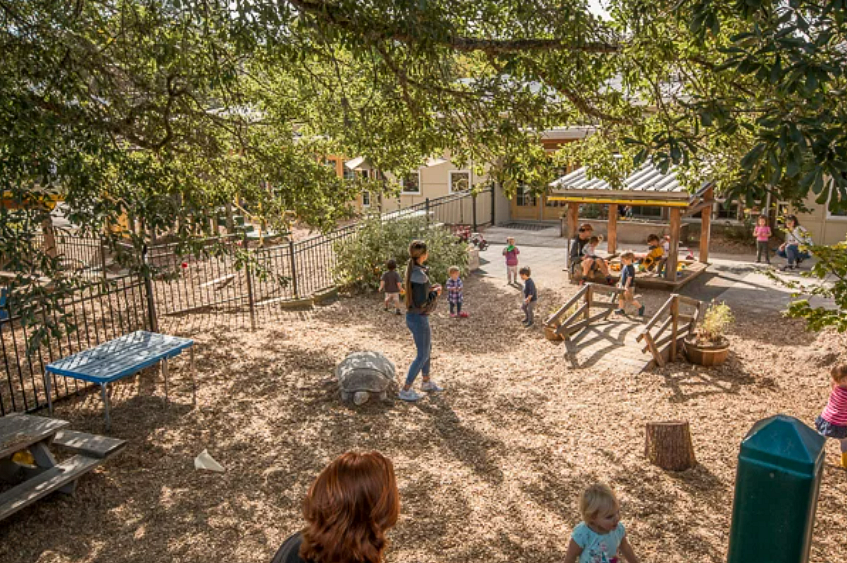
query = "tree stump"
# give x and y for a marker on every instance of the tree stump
(668, 445)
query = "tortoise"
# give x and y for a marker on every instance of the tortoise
(363, 375)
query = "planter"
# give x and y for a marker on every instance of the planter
(706, 355)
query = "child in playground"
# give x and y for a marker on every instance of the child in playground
(832, 422)
(601, 535)
(454, 288)
(762, 232)
(591, 247)
(392, 285)
(530, 296)
(627, 283)
(654, 255)
(511, 253)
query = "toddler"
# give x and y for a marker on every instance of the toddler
(392, 285)
(655, 253)
(530, 296)
(511, 253)
(832, 422)
(762, 232)
(600, 536)
(627, 283)
(591, 247)
(454, 288)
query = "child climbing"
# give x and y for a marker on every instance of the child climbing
(455, 288)
(392, 285)
(601, 535)
(654, 253)
(511, 253)
(762, 232)
(832, 422)
(627, 283)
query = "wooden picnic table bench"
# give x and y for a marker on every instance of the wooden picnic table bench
(119, 358)
(41, 475)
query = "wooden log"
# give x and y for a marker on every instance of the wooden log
(668, 445)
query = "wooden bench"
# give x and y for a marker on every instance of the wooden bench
(89, 445)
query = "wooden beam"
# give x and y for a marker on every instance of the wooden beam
(705, 233)
(673, 252)
(612, 234)
(573, 218)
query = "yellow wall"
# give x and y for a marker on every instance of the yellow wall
(824, 229)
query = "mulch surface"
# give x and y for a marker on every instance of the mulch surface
(489, 470)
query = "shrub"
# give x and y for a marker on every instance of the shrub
(717, 319)
(361, 259)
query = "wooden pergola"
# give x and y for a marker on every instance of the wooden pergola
(646, 186)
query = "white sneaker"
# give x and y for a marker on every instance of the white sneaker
(430, 386)
(409, 395)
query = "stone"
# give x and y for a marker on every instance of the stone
(365, 375)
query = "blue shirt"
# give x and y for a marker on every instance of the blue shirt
(627, 272)
(598, 548)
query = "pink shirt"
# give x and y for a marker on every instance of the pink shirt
(511, 256)
(762, 234)
(836, 409)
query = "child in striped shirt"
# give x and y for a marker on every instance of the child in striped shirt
(832, 422)
(455, 287)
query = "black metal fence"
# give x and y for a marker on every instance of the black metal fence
(98, 312)
(220, 274)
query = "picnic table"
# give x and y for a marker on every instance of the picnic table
(40, 474)
(119, 358)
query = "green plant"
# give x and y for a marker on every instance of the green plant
(361, 260)
(716, 321)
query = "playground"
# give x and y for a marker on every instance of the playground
(488, 470)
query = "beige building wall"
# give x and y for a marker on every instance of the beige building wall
(824, 227)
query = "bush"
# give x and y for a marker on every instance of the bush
(717, 319)
(361, 259)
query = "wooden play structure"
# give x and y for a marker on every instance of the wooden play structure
(593, 336)
(647, 186)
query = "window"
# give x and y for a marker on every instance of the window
(840, 215)
(646, 211)
(727, 211)
(349, 174)
(366, 198)
(524, 197)
(460, 180)
(411, 183)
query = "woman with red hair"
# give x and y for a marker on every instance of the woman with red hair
(348, 509)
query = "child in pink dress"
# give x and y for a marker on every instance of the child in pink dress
(832, 422)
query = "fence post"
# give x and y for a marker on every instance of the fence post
(780, 467)
(248, 272)
(426, 208)
(293, 268)
(148, 289)
(473, 209)
(103, 258)
(493, 187)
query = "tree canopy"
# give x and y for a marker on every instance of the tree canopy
(169, 108)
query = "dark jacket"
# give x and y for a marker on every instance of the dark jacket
(423, 298)
(289, 551)
(577, 249)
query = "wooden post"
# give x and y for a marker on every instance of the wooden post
(673, 252)
(573, 218)
(612, 235)
(674, 326)
(230, 221)
(668, 445)
(705, 230)
(49, 236)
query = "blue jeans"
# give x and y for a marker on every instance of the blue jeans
(792, 254)
(421, 332)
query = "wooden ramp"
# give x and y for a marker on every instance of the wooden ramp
(609, 344)
(601, 339)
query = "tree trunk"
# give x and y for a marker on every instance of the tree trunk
(668, 445)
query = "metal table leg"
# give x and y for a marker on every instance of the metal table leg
(105, 392)
(193, 377)
(48, 390)
(165, 373)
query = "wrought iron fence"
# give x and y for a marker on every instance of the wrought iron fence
(97, 312)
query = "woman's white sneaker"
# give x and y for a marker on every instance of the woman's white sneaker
(430, 386)
(409, 395)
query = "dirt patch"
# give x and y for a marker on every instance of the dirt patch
(488, 471)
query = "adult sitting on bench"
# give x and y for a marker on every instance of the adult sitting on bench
(579, 261)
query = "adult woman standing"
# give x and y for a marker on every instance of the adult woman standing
(421, 298)
(795, 235)
(348, 509)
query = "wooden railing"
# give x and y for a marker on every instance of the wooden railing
(586, 298)
(664, 347)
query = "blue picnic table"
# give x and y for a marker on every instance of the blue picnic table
(119, 358)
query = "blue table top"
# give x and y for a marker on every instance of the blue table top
(120, 357)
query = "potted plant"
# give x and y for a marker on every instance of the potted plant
(708, 346)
